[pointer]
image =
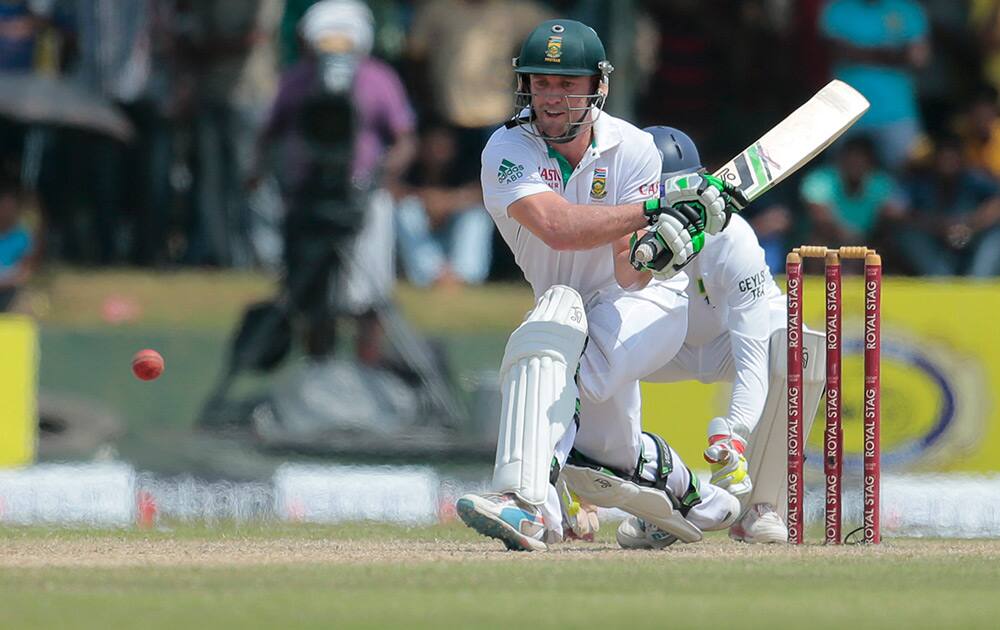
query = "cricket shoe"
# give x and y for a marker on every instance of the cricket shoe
(761, 524)
(635, 533)
(519, 526)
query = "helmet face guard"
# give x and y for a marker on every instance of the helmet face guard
(576, 124)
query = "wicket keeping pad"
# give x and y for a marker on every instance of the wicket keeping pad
(767, 448)
(605, 489)
(538, 392)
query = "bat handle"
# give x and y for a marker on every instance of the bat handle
(738, 196)
(648, 248)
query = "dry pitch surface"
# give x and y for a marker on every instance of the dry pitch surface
(380, 576)
(76, 550)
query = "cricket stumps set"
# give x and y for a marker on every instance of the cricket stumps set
(833, 436)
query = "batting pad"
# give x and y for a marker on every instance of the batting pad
(767, 450)
(538, 392)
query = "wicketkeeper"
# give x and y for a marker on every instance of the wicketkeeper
(736, 334)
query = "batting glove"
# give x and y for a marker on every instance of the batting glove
(676, 237)
(714, 199)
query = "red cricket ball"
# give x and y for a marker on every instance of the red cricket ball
(147, 364)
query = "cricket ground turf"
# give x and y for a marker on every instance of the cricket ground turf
(375, 576)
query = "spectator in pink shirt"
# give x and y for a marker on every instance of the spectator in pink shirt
(344, 130)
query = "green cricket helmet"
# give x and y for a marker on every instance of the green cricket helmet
(563, 48)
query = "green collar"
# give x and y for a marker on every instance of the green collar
(564, 165)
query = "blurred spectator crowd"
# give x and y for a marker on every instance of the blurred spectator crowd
(168, 133)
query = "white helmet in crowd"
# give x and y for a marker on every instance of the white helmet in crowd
(339, 26)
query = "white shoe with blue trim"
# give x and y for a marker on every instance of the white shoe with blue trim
(518, 525)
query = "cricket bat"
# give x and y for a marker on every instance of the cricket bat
(786, 148)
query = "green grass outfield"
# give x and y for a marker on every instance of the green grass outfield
(445, 576)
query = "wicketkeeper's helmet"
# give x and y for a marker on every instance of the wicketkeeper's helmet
(678, 150)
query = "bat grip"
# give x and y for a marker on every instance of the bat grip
(648, 248)
(738, 196)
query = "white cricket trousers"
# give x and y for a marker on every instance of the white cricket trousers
(630, 335)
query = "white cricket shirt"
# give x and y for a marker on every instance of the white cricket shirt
(622, 166)
(731, 291)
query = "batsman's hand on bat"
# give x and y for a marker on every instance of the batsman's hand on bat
(714, 199)
(717, 199)
(674, 239)
(688, 207)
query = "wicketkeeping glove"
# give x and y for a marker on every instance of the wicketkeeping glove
(725, 455)
(580, 520)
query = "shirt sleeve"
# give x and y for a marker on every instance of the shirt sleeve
(509, 173)
(745, 281)
(643, 181)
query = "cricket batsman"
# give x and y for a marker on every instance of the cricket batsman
(735, 333)
(567, 185)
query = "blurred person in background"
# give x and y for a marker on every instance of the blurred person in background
(454, 50)
(954, 225)
(445, 234)
(228, 48)
(847, 201)
(952, 74)
(980, 127)
(747, 49)
(391, 18)
(15, 243)
(110, 47)
(343, 133)
(691, 51)
(20, 25)
(984, 22)
(877, 47)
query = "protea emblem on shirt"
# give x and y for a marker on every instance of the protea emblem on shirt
(599, 185)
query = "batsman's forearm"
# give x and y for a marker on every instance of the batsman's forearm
(582, 227)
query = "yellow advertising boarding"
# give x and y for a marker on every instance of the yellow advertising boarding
(18, 390)
(940, 372)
